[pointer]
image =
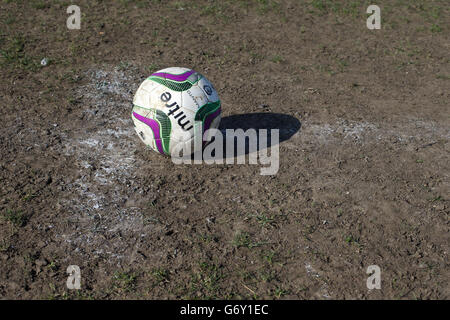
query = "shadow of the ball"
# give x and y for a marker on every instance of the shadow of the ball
(286, 124)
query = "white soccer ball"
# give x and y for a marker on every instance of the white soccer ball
(168, 104)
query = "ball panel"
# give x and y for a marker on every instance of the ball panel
(148, 86)
(149, 95)
(157, 132)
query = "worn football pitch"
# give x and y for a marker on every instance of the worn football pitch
(364, 170)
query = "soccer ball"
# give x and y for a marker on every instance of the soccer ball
(169, 104)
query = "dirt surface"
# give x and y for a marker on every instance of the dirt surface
(364, 162)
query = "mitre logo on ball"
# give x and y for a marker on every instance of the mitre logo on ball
(167, 106)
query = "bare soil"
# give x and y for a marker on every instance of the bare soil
(364, 156)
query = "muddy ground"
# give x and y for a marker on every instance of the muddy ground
(364, 170)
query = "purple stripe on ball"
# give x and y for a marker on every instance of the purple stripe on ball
(174, 77)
